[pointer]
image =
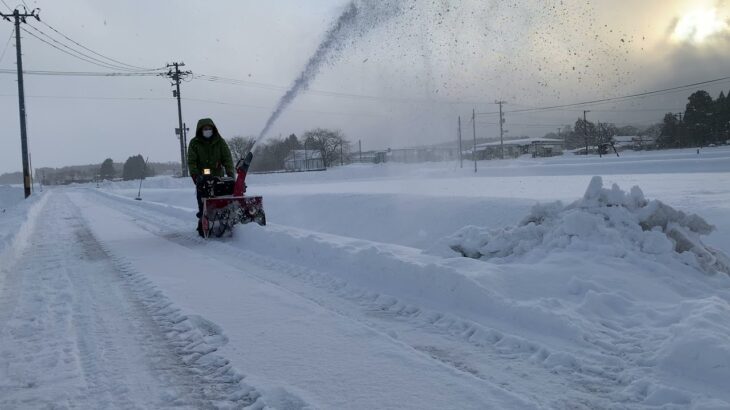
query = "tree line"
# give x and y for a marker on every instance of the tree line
(133, 168)
(704, 121)
(331, 145)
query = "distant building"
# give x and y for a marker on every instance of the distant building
(423, 154)
(304, 160)
(537, 147)
(633, 142)
(368, 157)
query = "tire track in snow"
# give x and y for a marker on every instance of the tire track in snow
(86, 332)
(587, 384)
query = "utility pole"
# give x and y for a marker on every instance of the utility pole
(474, 125)
(359, 148)
(184, 136)
(501, 130)
(176, 77)
(585, 129)
(679, 130)
(461, 157)
(306, 161)
(21, 17)
(30, 165)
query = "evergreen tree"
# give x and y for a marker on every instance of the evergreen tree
(670, 136)
(721, 118)
(107, 169)
(134, 168)
(698, 118)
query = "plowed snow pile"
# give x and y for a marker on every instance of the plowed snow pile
(607, 222)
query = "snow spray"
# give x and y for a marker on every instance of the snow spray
(358, 17)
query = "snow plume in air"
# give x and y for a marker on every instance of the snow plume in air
(357, 19)
(607, 222)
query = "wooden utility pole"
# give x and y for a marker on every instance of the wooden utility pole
(679, 130)
(21, 17)
(599, 130)
(501, 129)
(461, 157)
(176, 77)
(185, 143)
(474, 125)
(585, 130)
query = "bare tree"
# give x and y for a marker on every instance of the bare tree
(240, 146)
(330, 144)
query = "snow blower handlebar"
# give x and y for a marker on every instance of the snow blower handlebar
(242, 170)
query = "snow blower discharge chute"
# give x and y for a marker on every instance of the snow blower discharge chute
(225, 203)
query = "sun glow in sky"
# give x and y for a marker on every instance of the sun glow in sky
(699, 25)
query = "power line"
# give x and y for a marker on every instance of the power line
(523, 124)
(106, 98)
(274, 87)
(83, 73)
(617, 99)
(78, 97)
(67, 52)
(6, 47)
(354, 114)
(97, 53)
(86, 56)
(73, 53)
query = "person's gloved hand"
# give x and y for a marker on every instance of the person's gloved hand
(197, 179)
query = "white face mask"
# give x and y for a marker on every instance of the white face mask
(207, 133)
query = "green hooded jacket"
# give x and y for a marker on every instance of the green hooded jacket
(212, 153)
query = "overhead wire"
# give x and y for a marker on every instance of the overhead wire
(75, 53)
(82, 73)
(131, 66)
(274, 87)
(7, 44)
(67, 52)
(615, 99)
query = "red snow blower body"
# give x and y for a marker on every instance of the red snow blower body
(225, 203)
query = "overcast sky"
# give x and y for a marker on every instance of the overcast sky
(402, 82)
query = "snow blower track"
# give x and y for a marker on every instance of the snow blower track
(82, 330)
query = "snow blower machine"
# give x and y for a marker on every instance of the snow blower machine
(225, 203)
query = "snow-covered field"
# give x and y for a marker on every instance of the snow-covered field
(357, 294)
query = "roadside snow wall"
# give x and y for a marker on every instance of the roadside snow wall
(609, 222)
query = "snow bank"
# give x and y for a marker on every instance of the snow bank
(607, 222)
(16, 224)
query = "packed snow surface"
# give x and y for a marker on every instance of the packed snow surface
(9, 196)
(358, 294)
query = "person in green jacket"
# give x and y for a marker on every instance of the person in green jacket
(208, 150)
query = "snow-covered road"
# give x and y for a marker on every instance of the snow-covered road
(76, 330)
